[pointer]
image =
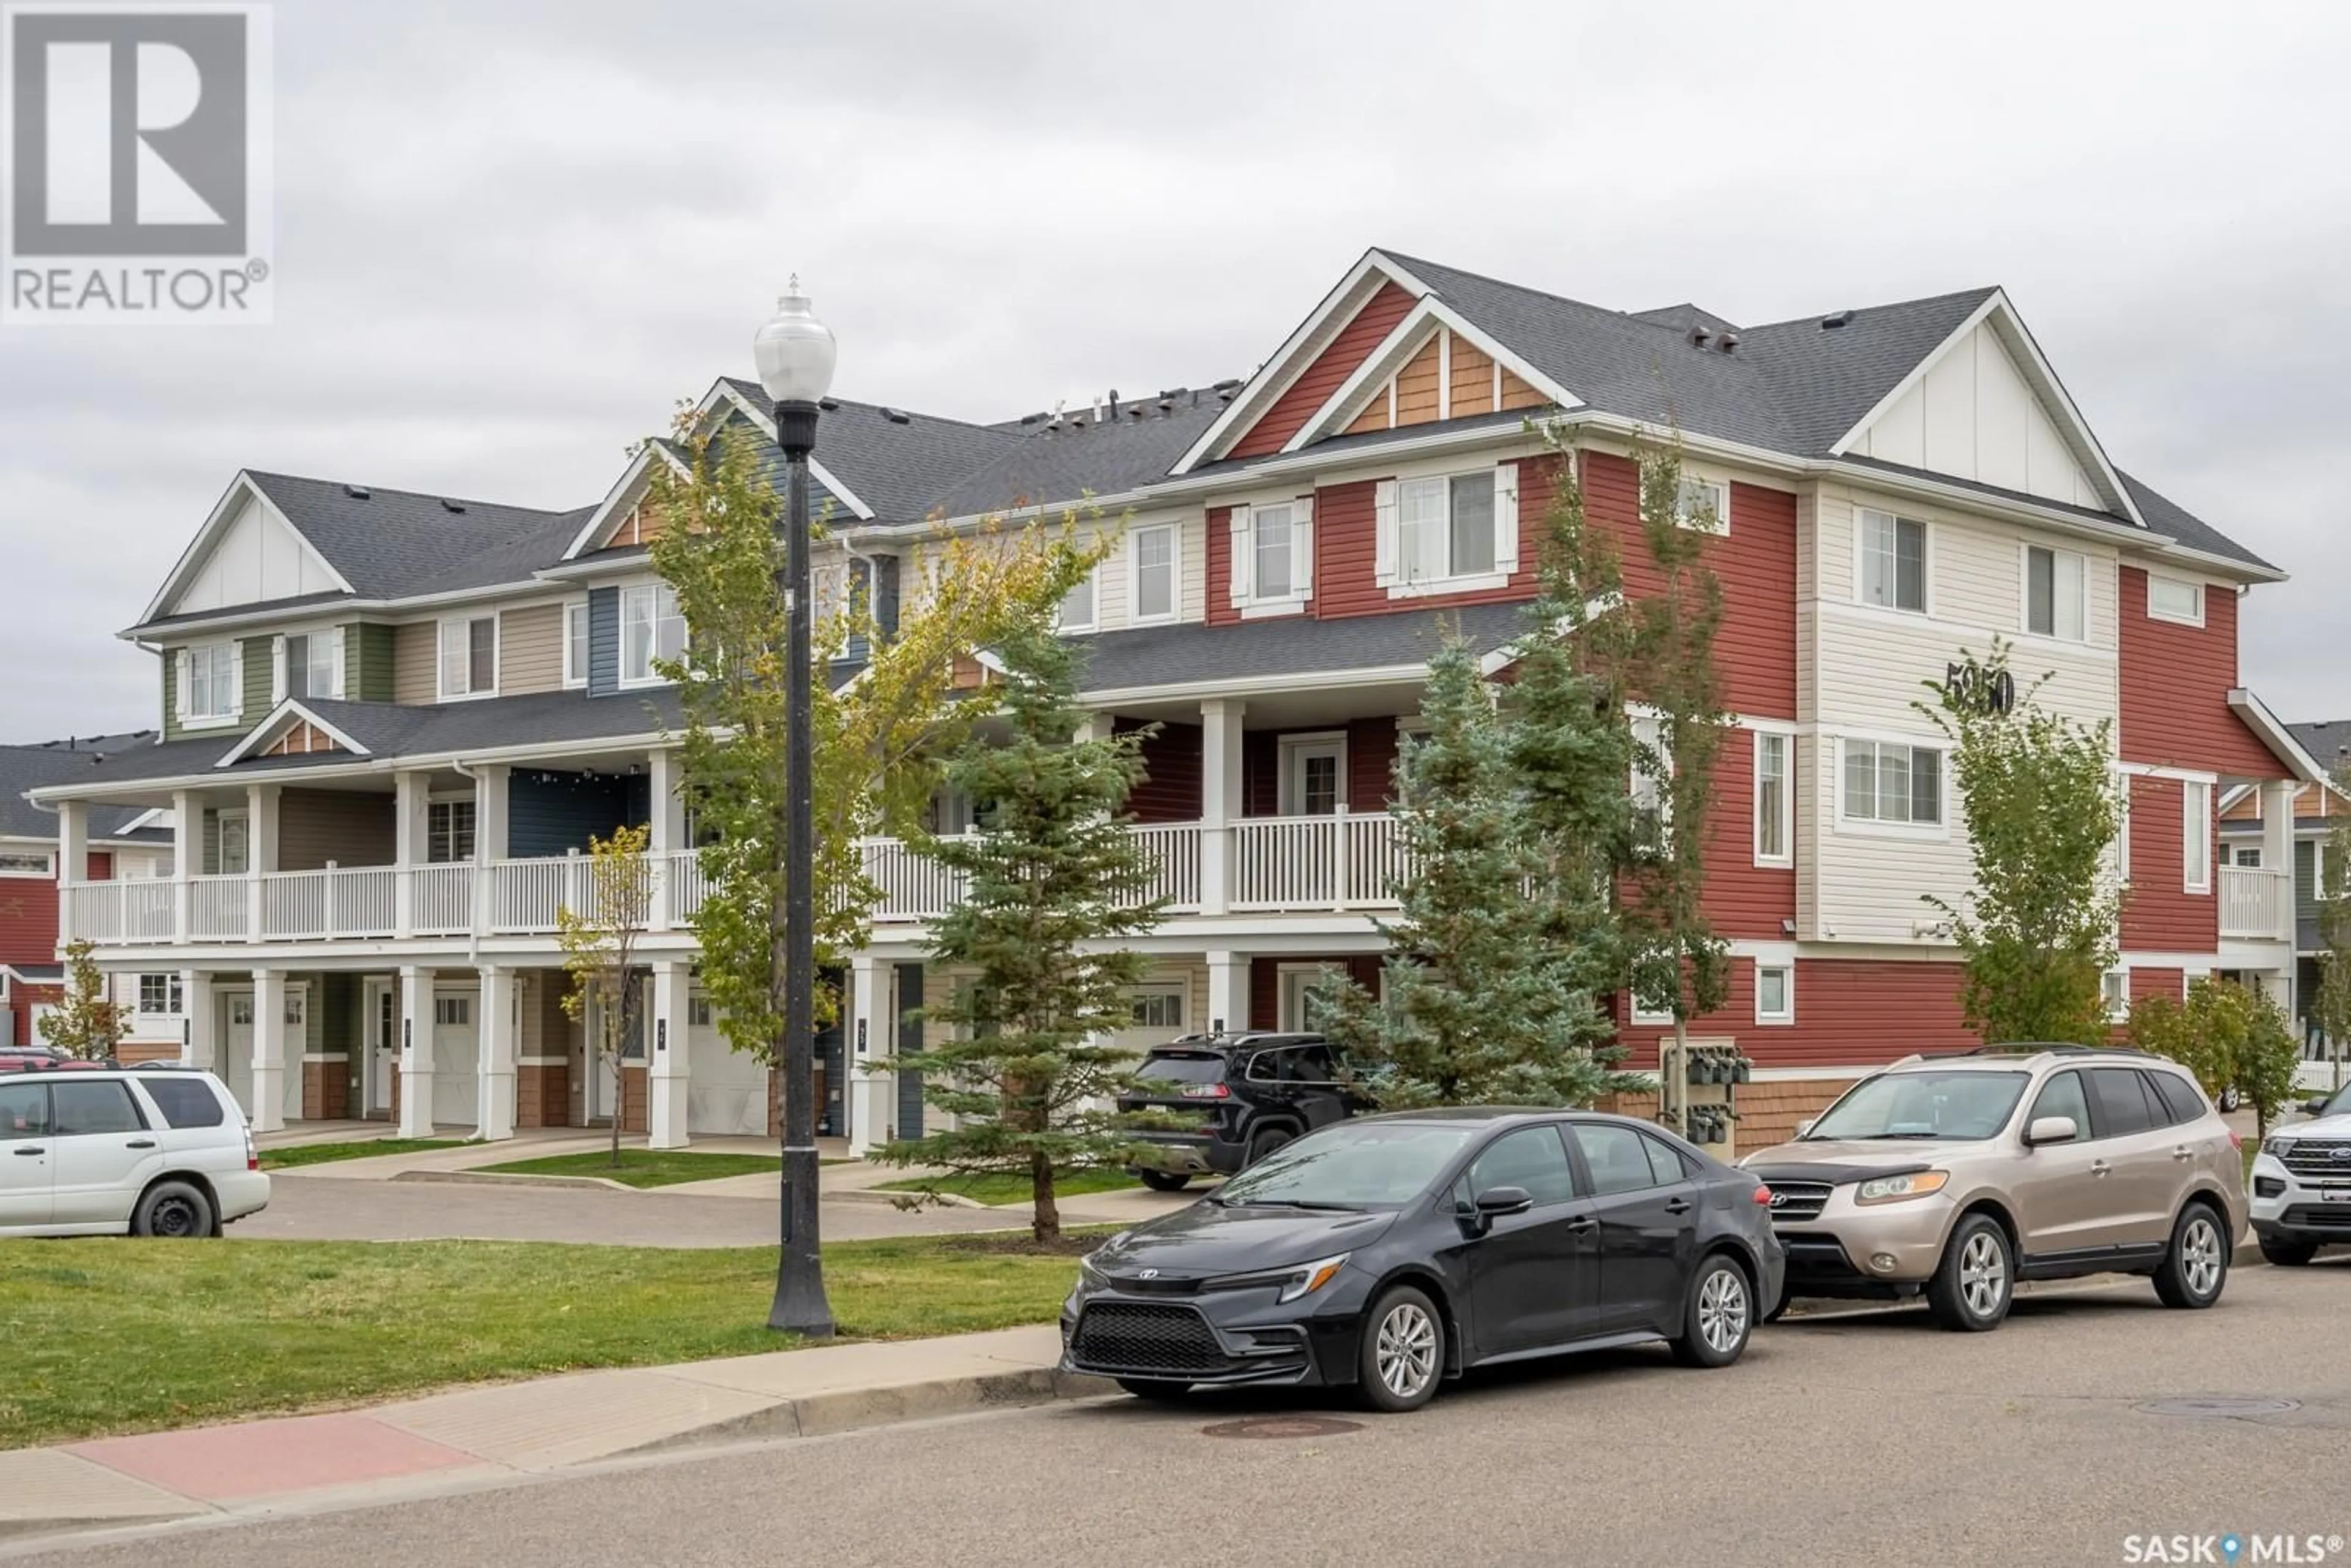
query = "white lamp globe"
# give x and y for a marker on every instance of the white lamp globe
(794, 350)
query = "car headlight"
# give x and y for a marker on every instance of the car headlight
(1303, 1280)
(1090, 1278)
(1898, 1188)
(2277, 1144)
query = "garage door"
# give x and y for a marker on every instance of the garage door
(1160, 1009)
(727, 1090)
(456, 1057)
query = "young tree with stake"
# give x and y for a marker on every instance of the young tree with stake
(85, 1026)
(599, 943)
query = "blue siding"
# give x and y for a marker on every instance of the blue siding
(910, 1040)
(603, 641)
(552, 813)
(885, 596)
(857, 647)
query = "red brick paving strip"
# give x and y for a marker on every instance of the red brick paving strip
(223, 1464)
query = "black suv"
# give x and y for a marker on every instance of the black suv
(1257, 1092)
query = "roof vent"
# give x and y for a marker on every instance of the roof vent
(828, 404)
(1728, 341)
(453, 507)
(897, 416)
(356, 492)
(1230, 385)
(1032, 418)
(1225, 393)
(1134, 411)
(1697, 337)
(1831, 323)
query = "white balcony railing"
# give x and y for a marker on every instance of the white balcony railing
(220, 908)
(1344, 861)
(2257, 902)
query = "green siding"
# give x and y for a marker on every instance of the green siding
(211, 842)
(367, 662)
(169, 724)
(260, 675)
(2305, 888)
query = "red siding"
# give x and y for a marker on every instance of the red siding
(1864, 1012)
(1347, 563)
(2172, 983)
(1261, 773)
(1312, 389)
(1265, 981)
(2157, 915)
(28, 920)
(1743, 899)
(1220, 568)
(1737, 1018)
(1170, 790)
(1371, 764)
(2175, 688)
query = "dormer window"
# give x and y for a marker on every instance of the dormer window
(1273, 556)
(210, 683)
(313, 663)
(651, 627)
(1449, 533)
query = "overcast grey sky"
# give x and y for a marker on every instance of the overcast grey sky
(511, 233)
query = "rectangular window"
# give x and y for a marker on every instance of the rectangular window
(1448, 527)
(2248, 855)
(1705, 504)
(1154, 572)
(697, 1012)
(1887, 783)
(236, 843)
(86, 1108)
(159, 995)
(1648, 1017)
(211, 682)
(1653, 765)
(1893, 561)
(1077, 606)
(1274, 568)
(2169, 598)
(314, 664)
(184, 1102)
(469, 656)
(297, 1009)
(458, 1010)
(2056, 584)
(26, 862)
(1775, 993)
(650, 628)
(1159, 1008)
(2113, 990)
(575, 643)
(1774, 802)
(449, 832)
(2196, 836)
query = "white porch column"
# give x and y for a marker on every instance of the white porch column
(1095, 727)
(494, 1090)
(668, 1074)
(489, 838)
(73, 860)
(268, 1112)
(2277, 840)
(187, 855)
(1228, 991)
(1220, 799)
(261, 855)
(198, 1017)
(864, 1101)
(411, 792)
(415, 1052)
(667, 834)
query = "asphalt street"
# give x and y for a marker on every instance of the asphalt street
(1868, 1439)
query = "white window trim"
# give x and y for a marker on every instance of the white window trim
(622, 678)
(48, 864)
(440, 662)
(2154, 615)
(1643, 1019)
(574, 679)
(281, 675)
(1284, 974)
(1787, 1015)
(1506, 539)
(1787, 735)
(1286, 775)
(1876, 828)
(1093, 585)
(2118, 1005)
(1926, 563)
(1241, 526)
(2025, 549)
(2195, 828)
(1135, 616)
(2237, 851)
(173, 988)
(184, 667)
(1721, 488)
(1180, 989)
(222, 817)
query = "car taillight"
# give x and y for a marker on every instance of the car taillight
(2236, 1140)
(1763, 1196)
(252, 1155)
(1207, 1092)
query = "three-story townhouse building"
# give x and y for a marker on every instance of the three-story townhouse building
(392, 721)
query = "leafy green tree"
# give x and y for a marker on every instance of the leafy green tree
(87, 1025)
(1052, 886)
(2228, 1036)
(1478, 1007)
(2267, 1061)
(2330, 1008)
(2036, 932)
(599, 940)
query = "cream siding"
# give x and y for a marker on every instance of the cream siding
(530, 649)
(415, 647)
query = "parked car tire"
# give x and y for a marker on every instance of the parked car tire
(1717, 1314)
(1158, 1389)
(173, 1210)
(1267, 1140)
(2229, 1099)
(2197, 1266)
(1401, 1358)
(1166, 1181)
(1973, 1288)
(2288, 1254)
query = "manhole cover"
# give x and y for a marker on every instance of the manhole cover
(1282, 1426)
(2220, 1409)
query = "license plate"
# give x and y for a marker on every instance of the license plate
(2336, 1194)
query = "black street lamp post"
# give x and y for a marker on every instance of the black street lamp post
(795, 354)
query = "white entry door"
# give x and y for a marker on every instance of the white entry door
(456, 1057)
(382, 1032)
(234, 1058)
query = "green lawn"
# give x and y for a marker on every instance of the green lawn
(118, 1335)
(363, 1149)
(997, 1187)
(644, 1167)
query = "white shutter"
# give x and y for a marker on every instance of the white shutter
(337, 636)
(1384, 532)
(1301, 548)
(278, 686)
(180, 685)
(1240, 535)
(1506, 516)
(237, 678)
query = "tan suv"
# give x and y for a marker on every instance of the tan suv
(1958, 1175)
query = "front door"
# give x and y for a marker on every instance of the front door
(382, 1046)
(1534, 1277)
(1313, 775)
(235, 1064)
(1647, 1244)
(456, 1061)
(27, 1154)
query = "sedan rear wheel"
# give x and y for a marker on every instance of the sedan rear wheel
(1718, 1317)
(1403, 1352)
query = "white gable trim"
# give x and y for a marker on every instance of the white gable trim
(281, 719)
(2010, 329)
(621, 498)
(1298, 351)
(1396, 349)
(2278, 738)
(765, 418)
(224, 512)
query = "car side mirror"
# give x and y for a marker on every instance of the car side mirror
(1496, 1201)
(2315, 1107)
(2051, 1130)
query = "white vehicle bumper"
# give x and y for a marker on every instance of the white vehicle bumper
(241, 1193)
(2300, 1208)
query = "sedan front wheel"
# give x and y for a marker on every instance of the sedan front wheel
(1403, 1351)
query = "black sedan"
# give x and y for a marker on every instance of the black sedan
(1392, 1251)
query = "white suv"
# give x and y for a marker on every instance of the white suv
(2302, 1183)
(143, 1151)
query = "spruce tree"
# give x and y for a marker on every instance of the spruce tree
(1054, 882)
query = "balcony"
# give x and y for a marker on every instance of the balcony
(2256, 902)
(1273, 864)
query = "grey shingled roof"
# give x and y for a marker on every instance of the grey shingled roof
(1825, 380)
(23, 767)
(1292, 645)
(898, 470)
(2328, 741)
(392, 542)
(1106, 459)
(2166, 515)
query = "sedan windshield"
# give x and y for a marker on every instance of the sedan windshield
(1944, 1106)
(1365, 1164)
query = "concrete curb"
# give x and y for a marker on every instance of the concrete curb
(851, 1409)
(514, 1178)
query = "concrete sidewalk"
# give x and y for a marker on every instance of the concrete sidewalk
(502, 1432)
